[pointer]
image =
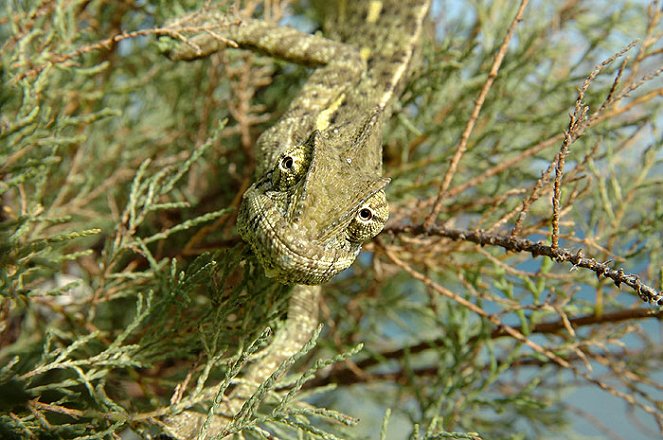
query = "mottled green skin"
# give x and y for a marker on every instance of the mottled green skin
(309, 226)
(308, 223)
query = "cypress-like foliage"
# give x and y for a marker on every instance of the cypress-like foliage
(523, 260)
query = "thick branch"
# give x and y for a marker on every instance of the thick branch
(618, 276)
(401, 375)
(348, 376)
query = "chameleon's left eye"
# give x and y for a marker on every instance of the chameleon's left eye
(369, 219)
(287, 163)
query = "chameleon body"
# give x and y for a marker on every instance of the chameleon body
(319, 192)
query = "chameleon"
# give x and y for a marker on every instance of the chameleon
(319, 192)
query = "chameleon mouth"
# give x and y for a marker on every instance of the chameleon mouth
(283, 248)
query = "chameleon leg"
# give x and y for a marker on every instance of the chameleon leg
(298, 329)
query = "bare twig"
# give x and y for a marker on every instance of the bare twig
(578, 123)
(534, 195)
(520, 337)
(342, 375)
(347, 377)
(461, 147)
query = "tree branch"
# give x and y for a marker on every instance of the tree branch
(618, 276)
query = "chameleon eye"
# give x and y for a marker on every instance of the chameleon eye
(287, 163)
(369, 219)
(291, 167)
(365, 214)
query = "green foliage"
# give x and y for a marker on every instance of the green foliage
(125, 290)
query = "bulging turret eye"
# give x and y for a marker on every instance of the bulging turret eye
(287, 163)
(365, 214)
(369, 219)
(291, 167)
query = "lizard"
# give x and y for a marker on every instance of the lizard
(319, 193)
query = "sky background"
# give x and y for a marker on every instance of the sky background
(599, 405)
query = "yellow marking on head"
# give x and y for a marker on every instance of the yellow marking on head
(322, 121)
(364, 53)
(374, 9)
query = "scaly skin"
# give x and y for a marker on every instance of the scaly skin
(319, 192)
(307, 222)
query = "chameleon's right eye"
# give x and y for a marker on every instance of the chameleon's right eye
(290, 168)
(286, 163)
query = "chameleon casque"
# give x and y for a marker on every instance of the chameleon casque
(319, 190)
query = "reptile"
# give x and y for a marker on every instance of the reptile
(319, 191)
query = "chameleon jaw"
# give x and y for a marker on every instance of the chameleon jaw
(284, 250)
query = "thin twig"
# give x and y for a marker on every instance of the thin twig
(533, 197)
(578, 123)
(478, 104)
(342, 375)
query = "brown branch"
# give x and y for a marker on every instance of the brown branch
(347, 378)
(618, 276)
(474, 116)
(582, 321)
(346, 375)
(511, 331)
(596, 117)
(533, 197)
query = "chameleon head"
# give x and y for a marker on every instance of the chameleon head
(307, 217)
